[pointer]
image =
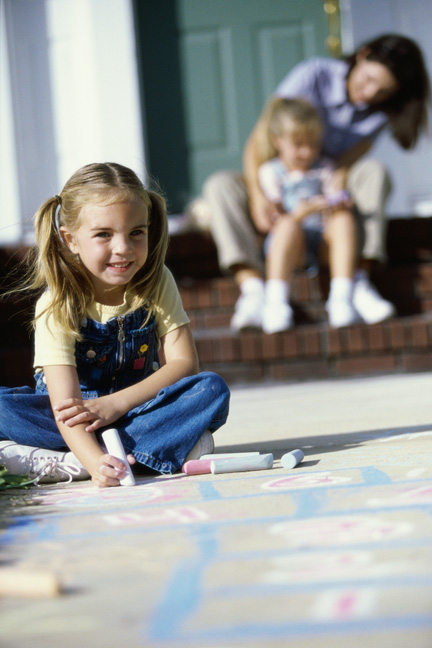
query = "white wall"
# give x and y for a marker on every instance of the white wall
(73, 99)
(10, 225)
(411, 171)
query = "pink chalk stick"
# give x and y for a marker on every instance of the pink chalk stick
(197, 467)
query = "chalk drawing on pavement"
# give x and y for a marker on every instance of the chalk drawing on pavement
(350, 529)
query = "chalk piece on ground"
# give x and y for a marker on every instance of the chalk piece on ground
(24, 583)
(291, 459)
(197, 467)
(229, 455)
(242, 464)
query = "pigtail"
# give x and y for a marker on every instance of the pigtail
(144, 286)
(59, 271)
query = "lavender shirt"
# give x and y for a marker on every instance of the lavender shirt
(322, 82)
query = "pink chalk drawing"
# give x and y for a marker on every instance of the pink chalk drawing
(309, 480)
(156, 517)
(344, 605)
(349, 529)
(405, 497)
(322, 566)
(94, 497)
(317, 566)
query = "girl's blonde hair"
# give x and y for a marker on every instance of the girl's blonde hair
(294, 117)
(56, 268)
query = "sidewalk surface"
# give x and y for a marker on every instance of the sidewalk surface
(336, 552)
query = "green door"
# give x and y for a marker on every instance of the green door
(207, 67)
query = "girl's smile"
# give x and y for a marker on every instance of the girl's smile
(112, 243)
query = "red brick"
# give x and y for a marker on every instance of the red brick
(310, 341)
(271, 347)
(227, 292)
(419, 333)
(420, 361)
(366, 364)
(220, 319)
(187, 298)
(396, 334)
(299, 370)
(290, 347)
(250, 346)
(334, 341)
(238, 372)
(355, 338)
(205, 350)
(226, 349)
(375, 337)
(203, 296)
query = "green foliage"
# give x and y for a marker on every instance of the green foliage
(13, 481)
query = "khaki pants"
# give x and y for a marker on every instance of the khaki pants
(236, 238)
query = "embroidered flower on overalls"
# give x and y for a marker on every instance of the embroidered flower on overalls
(140, 362)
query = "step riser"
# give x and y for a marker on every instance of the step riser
(313, 352)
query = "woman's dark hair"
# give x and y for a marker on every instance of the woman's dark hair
(407, 109)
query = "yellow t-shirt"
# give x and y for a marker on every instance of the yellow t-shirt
(54, 347)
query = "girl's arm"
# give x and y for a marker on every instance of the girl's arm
(62, 383)
(180, 360)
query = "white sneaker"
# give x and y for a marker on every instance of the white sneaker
(277, 317)
(248, 312)
(369, 304)
(40, 465)
(204, 445)
(341, 312)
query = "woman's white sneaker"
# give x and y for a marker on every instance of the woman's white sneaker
(277, 317)
(369, 304)
(341, 313)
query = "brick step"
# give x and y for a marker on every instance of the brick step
(316, 351)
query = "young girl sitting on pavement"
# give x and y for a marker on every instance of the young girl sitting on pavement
(108, 303)
(312, 219)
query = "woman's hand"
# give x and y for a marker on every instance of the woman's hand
(109, 470)
(313, 205)
(97, 412)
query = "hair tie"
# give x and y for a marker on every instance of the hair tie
(57, 214)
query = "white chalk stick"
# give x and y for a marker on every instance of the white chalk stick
(229, 455)
(115, 448)
(291, 459)
(242, 464)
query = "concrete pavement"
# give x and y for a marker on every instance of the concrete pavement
(337, 551)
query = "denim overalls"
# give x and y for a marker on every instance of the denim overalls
(112, 356)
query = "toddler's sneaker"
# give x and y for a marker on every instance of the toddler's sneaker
(204, 446)
(369, 304)
(341, 312)
(40, 465)
(247, 312)
(277, 317)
